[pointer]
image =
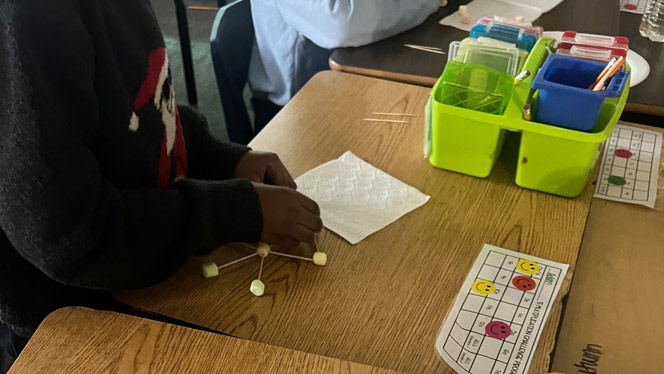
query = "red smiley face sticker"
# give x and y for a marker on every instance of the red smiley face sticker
(498, 330)
(524, 283)
(623, 153)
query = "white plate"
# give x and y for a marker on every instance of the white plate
(639, 65)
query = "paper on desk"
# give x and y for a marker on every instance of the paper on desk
(498, 316)
(630, 166)
(633, 6)
(545, 5)
(355, 198)
(530, 10)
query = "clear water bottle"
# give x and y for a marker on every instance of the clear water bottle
(652, 23)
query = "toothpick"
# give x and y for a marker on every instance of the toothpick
(383, 120)
(316, 242)
(238, 260)
(291, 256)
(394, 114)
(425, 49)
(422, 46)
(260, 269)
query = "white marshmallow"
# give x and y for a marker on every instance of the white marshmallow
(209, 270)
(320, 258)
(257, 287)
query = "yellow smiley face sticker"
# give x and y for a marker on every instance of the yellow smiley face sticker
(483, 287)
(527, 267)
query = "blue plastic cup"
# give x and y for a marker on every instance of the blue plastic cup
(564, 98)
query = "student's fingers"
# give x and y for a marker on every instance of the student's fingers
(289, 242)
(278, 175)
(310, 221)
(271, 175)
(292, 183)
(302, 233)
(255, 178)
(285, 178)
(309, 205)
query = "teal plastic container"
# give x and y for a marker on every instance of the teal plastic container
(506, 33)
(551, 159)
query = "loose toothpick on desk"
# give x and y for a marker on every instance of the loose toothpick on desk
(393, 114)
(388, 120)
(383, 120)
(425, 48)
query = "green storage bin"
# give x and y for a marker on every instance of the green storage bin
(475, 87)
(551, 159)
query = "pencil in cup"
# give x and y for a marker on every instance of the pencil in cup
(609, 71)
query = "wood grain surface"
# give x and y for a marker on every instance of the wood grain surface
(80, 340)
(615, 301)
(380, 302)
(389, 59)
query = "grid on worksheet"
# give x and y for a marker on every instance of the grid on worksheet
(634, 170)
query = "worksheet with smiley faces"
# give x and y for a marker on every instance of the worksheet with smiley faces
(630, 166)
(500, 311)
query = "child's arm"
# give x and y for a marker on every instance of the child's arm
(58, 209)
(212, 159)
(208, 158)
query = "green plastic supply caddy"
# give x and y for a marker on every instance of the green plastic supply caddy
(467, 136)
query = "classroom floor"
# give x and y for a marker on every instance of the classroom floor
(200, 24)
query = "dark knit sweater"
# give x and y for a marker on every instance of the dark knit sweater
(104, 183)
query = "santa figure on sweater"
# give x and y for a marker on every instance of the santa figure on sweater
(157, 90)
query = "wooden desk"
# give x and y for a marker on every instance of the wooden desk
(80, 340)
(382, 301)
(615, 301)
(389, 59)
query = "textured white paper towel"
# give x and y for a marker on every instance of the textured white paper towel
(355, 198)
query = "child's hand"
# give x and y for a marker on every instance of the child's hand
(288, 216)
(264, 167)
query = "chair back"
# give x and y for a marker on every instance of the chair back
(231, 43)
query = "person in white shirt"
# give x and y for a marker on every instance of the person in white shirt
(294, 39)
